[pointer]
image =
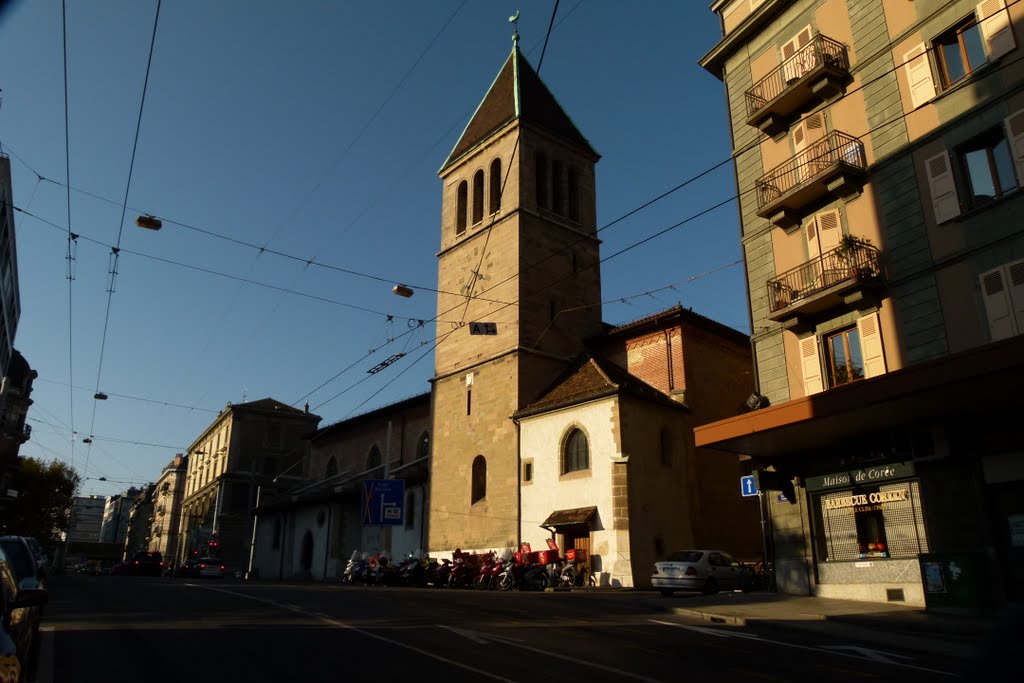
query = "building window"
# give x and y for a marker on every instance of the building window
(961, 51)
(576, 453)
(373, 460)
(495, 186)
(527, 471)
(274, 435)
(541, 172)
(332, 468)
(478, 197)
(461, 202)
(479, 485)
(557, 193)
(870, 522)
(987, 167)
(423, 447)
(666, 447)
(410, 509)
(469, 401)
(845, 360)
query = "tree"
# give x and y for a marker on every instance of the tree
(43, 506)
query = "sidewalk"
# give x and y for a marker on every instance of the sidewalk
(881, 623)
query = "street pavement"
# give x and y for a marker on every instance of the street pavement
(190, 630)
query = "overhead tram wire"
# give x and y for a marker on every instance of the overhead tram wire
(120, 229)
(132, 398)
(70, 256)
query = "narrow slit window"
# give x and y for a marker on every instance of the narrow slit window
(461, 201)
(478, 197)
(496, 186)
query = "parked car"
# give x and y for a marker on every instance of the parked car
(708, 571)
(204, 567)
(22, 561)
(19, 626)
(42, 559)
(147, 563)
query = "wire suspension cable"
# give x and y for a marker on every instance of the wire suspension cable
(71, 238)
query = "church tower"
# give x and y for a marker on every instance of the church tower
(519, 249)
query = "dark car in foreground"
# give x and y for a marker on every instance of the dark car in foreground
(23, 561)
(19, 626)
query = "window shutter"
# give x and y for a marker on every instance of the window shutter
(919, 75)
(871, 345)
(1001, 324)
(810, 361)
(1015, 134)
(1015, 278)
(829, 232)
(813, 245)
(996, 29)
(943, 188)
(795, 68)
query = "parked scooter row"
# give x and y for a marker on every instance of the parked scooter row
(490, 571)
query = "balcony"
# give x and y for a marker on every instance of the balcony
(840, 277)
(816, 72)
(832, 166)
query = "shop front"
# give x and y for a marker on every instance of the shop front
(868, 529)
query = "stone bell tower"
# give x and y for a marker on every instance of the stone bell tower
(519, 249)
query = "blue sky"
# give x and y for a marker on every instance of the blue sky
(314, 129)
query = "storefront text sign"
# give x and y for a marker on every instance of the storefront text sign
(861, 477)
(866, 499)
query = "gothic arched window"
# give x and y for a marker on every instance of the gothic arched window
(478, 197)
(576, 453)
(495, 186)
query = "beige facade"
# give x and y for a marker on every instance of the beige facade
(167, 500)
(879, 155)
(247, 447)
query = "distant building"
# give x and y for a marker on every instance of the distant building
(248, 446)
(140, 519)
(86, 518)
(170, 488)
(15, 388)
(115, 517)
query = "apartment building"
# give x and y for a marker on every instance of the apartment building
(170, 487)
(879, 153)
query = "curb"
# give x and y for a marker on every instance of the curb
(44, 667)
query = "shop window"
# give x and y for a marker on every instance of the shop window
(410, 510)
(479, 483)
(845, 362)
(987, 167)
(576, 453)
(870, 522)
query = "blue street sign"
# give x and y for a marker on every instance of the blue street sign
(747, 486)
(383, 501)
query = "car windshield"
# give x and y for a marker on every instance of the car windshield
(685, 556)
(22, 562)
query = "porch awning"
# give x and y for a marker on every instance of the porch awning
(560, 518)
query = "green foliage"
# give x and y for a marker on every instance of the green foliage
(43, 506)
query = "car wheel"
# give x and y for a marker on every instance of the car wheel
(710, 586)
(667, 592)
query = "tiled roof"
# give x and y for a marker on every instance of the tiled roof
(594, 378)
(517, 92)
(675, 312)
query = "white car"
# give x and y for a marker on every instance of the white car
(707, 571)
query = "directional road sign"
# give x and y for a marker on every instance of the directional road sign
(483, 328)
(747, 486)
(383, 500)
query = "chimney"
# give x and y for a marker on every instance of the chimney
(306, 409)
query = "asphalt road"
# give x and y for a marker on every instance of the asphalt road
(176, 630)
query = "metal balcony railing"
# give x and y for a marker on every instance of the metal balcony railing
(835, 148)
(844, 263)
(821, 51)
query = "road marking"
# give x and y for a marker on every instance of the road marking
(865, 653)
(483, 638)
(868, 653)
(368, 634)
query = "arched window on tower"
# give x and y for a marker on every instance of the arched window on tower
(557, 193)
(332, 468)
(462, 199)
(574, 194)
(423, 446)
(496, 186)
(541, 168)
(479, 479)
(576, 453)
(373, 460)
(478, 196)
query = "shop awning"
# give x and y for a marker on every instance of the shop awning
(560, 518)
(977, 383)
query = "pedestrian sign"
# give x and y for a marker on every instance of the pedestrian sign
(747, 486)
(383, 501)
